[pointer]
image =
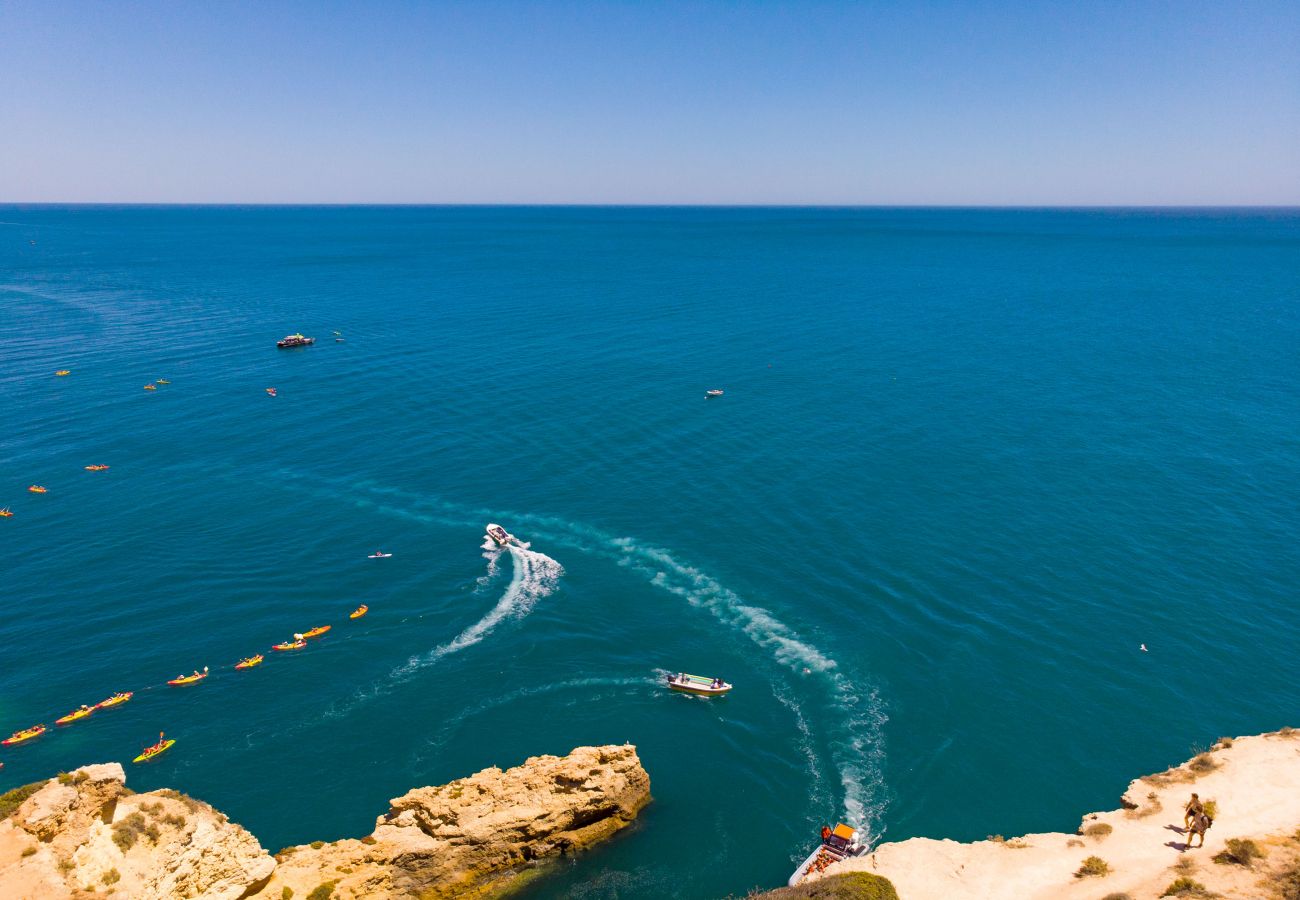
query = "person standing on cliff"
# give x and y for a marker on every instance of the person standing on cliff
(1194, 809)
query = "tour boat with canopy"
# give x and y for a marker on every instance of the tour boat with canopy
(838, 843)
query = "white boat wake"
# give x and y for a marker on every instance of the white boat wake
(535, 576)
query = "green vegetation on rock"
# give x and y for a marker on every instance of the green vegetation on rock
(849, 886)
(11, 800)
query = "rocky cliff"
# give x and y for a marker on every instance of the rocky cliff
(85, 832)
(1138, 851)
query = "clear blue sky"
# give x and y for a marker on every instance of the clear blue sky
(1089, 102)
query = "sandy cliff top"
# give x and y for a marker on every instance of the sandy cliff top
(1255, 782)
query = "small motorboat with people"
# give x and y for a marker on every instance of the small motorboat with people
(698, 684)
(713, 393)
(297, 644)
(838, 843)
(249, 662)
(164, 744)
(27, 734)
(294, 340)
(182, 680)
(379, 554)
(38, 489)
(76, 715)
(317, 631)
(116, 700)
(359, 611)
(499, 535)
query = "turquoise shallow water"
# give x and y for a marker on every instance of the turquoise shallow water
(967, 461)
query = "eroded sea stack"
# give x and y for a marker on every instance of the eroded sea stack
(472, 837)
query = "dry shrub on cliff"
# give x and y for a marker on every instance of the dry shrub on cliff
(1223, 743)
(322, 891)
(1240, 852)
(1203, 764)
(1152, 807)
(1186, 887)
(112, 876)
(29, 851)
(1099, 830)
(1118, 895)
(286, 893)
(11, 800)
(1093, 866)
(190, 803)
(128, 831)
(849, 886)
(1286, 884)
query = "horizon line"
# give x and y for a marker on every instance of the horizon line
(635, 205)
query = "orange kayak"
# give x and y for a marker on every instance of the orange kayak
(19, 736)
(359, 611)
(96, 468)
(116, 700)
(250, 662)
(37, 489)
(75, 715)
(290, 645)
(317, 631)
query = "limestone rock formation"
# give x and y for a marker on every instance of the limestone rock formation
(472, 836)
(85, 832)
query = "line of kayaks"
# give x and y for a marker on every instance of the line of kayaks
(84, 711)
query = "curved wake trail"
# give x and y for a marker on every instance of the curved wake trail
(535, 576)
(857, 714)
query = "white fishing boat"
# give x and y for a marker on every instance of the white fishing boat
(698, 684)
(499, 535)
(713, 393)
(837, 844)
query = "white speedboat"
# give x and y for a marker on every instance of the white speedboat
(837, 844)
(713, 393)
(499, 535)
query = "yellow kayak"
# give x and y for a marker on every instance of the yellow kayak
(250, 662)
(75, 715)
(188, 679)
(163, 381)
(116, 700)
(19, 736)
(317, 631)
(150, 752)
(359, 611)
(63, 372)
(37, 489)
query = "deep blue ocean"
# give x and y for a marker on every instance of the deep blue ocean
(966, 462)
